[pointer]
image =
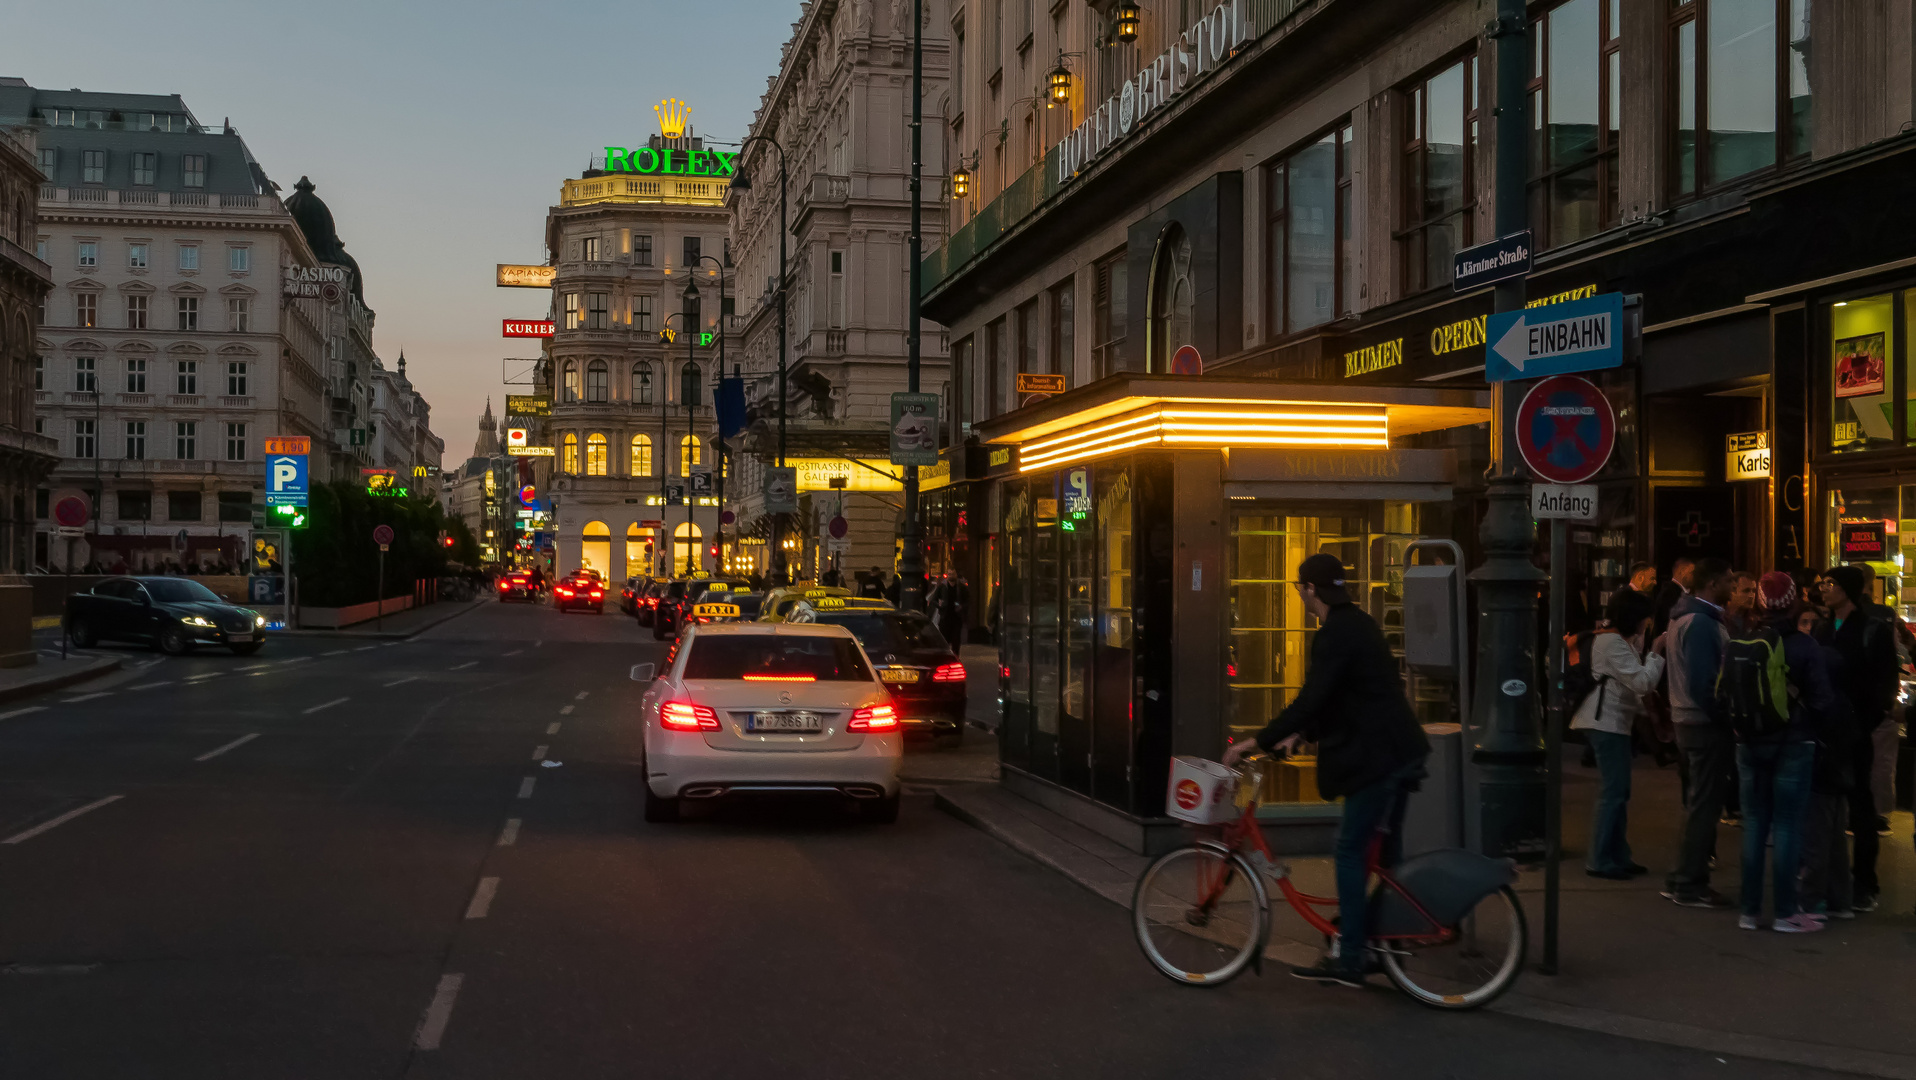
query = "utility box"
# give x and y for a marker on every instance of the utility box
(1434, 817)
(1430, 620)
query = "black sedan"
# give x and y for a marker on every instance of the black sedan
(581, 593)
(924, 675)
(172, 613)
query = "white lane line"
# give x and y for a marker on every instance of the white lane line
(335, 652)
(462, 667)
(536, 644)
(580, 696)
(87, 697)
(61, 820)
(538, 753)
(567, 711)
(324, 705)
(401, 682)
(296, 660)
(203, 677)
(482, 898)
(256, 667)
(514, 652)
(11, 713)
(525, 788)
(366, 648)
(151, 685)
(234, 745)
(432, 1026)
(387, 644)
(552, 728)
(510, 835)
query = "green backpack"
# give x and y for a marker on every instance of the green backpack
(1753, 686)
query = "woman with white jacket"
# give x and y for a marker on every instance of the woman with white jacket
(1623, 675)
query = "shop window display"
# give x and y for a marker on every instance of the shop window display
(1862, 381)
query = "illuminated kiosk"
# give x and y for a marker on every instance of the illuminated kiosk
(1147, 529)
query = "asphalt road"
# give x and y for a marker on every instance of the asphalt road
(426, 859)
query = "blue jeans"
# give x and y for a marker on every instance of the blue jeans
(1776, 793)
(1365, 810)
(1609, 848)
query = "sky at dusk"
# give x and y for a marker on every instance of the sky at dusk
(438, 132)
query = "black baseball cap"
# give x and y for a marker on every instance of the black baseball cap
(1326, 572)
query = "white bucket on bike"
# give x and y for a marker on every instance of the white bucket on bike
(1201, 792)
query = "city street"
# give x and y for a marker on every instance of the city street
(365, 858)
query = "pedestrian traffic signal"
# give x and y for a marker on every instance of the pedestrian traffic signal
(286, 517)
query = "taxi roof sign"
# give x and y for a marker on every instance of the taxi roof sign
(829, 603)
(715, 611)
(813, 594)
(719, 586)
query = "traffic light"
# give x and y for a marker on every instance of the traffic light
(286, 517)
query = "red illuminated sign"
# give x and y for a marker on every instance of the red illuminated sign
(528, 328)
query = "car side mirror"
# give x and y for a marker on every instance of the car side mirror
(644, 673)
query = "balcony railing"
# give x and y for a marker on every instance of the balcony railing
(236, 401)
(705, 191)
(25, 259)
(136, 399)
(141, 197)
(186, 399)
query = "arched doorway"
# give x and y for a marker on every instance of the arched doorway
(638, 551)
(1173, 300)
(595, 549)
(685, 547)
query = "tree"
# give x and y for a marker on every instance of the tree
(337, 560)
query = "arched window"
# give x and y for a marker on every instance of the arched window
(641, 455)
(1173, 300)
(642, 383)
(569, 460)
(690, 378)
(595, 454)
(595, 547)
(571, 382)
(685, 547)
(688, 454)
(595, 382)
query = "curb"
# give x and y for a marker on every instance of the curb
(1841, 1059)
(393, 634)
(56, 682)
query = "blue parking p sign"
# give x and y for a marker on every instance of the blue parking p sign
(286, 479)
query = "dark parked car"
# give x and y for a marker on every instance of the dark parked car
(912, 658)
(648, 600)
(172, 613)
(518, 586)
(632, 593)
(674, 603)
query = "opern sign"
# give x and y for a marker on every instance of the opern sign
(1747, 456)
(288, 444)
(668, 162)
(1486, 264)
(513, 276)
(529, 328)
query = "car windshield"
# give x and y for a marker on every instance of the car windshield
(748, 603)
(888, 631)
(803, 658)
(179, 591)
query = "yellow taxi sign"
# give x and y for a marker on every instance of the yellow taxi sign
(715, 611)
(829, 603)
(718, 586)
(813, 594)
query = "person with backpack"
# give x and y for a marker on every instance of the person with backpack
(1619, 674)
(1693, 650)
(1870, 682)
(1774, 691)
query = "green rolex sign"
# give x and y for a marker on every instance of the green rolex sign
(668, 161)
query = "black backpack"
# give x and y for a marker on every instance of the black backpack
(1753, 686)
(1576, 679)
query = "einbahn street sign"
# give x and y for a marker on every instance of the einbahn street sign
(1556, 339)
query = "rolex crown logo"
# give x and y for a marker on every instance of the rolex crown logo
(672, 115)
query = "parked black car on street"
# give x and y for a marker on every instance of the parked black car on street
(172, 613)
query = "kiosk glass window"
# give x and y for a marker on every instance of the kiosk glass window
(1014, 652)
(1861, 374)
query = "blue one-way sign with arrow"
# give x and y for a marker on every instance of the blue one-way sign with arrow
(1577, 335)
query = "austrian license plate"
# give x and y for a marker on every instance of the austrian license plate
(899, 675)
(784, 721)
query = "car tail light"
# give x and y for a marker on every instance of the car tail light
(874, 718)
(596, 594)
(686, 716)
(949, 673)
(781, 678)
(504, 586)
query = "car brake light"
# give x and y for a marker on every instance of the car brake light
(949, 673)
(874, 718)
(596, 594)
(504, 586)
(781, 678)
(686, 716)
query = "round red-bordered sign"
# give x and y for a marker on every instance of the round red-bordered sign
(1189, 794)
(72, 511)
(1565, 429)
(382, 534)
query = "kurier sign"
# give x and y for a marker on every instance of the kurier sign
(534, 328)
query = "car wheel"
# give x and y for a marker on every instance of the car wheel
(81, 634)
(659, 809)
(882, 811)
(247, 649)
(174, 642)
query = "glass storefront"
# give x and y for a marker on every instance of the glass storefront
(1855, 516)
(1865, 372)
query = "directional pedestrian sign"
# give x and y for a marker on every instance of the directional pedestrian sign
(1556, 339)
(286, 479)
(1565, 429)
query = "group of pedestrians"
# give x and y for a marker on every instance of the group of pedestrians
(1777, 692)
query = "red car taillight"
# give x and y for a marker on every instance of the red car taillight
(685, 716)
(596, 594)
(564, 592)
(874, 718)
(949, 673)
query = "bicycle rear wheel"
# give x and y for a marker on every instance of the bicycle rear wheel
(1471, 967)
(1200, 913)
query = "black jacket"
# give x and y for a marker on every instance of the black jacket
(1352, 706)
(1870, 674)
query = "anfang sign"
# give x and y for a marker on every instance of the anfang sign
(667, 161)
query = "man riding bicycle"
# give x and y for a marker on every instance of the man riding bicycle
(1370, 750)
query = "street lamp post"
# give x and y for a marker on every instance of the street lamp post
(911, 566)
(687, 390)
(742, 182)
(692, 295)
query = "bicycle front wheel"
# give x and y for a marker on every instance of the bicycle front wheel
(1201, 914)
(1470, 967)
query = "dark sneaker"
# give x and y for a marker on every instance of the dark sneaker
(1637, 869)
(1700, 898)
(1330, 970)
(1865, 902)
(1610, 875)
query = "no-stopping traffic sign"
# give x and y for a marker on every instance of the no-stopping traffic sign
(1565, 429)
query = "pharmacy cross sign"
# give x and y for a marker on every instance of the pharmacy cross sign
(1565, 429)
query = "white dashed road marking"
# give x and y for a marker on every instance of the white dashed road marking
(335, 652)
(61, 820)
(580, 696)
(324, 705)
(11, 713)
(87, 697)
(525, 788)
(151, 685)
(401, 682)
(482, 898)
(514, 652)
(510, 835)
(366, 648)
(538, 753)
(552, 728)
(432, 1026)
(462, 667)
(234, 745)
(567, 711)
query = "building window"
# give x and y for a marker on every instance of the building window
(135, 505)
(238, 318)
(1063, 330)
(598, 311)
(88, 254)
(642, 383)
(595, 455)
(39, 373)
(186, 439)
(1575, 112)
(1742, 89)
(590, 247)
(93, 166)
(569, 454)
(84, 439)
(236, 442)
(236, 506)
(189, 256)
(571, 311)
(144, 164)
(189, 312)
(136, 312)
(641, 455)
(236, 378)
(49, 157)
(186, 377)
(86, 374)
(193, 170)
(136, 375)
(571, 382)
(1439, 145)
(998, 364)
(1109, 301)
(183, 505)
(239, 259)
(642, 313)
(136, 256)
(838, 291)
(688, 454)
(1307, 235)
(86, 309)
(642, 250)
(595, 382)
(1024, 336)
(691, 253)
(135, 442)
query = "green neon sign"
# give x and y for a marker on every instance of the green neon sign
(668, 161)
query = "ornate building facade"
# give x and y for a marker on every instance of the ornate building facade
(25, 456)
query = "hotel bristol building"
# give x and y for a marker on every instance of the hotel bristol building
(1198, 289)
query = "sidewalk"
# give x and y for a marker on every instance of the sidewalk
(1631, 963)
(400, 624)
(53, 673)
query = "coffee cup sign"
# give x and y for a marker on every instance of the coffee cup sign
(914, 429)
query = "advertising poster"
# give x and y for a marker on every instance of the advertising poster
(1860, 366)
(914, 429)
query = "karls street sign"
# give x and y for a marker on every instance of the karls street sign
(1486, 264)
(1747, 456)
(1572, 502)
(286, 480)
(1556, 339)
(1565, 429)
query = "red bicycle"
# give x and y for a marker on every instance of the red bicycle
(1446, 925)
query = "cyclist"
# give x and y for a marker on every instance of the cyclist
(1370, 749)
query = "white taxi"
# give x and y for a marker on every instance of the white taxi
(768, 707)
